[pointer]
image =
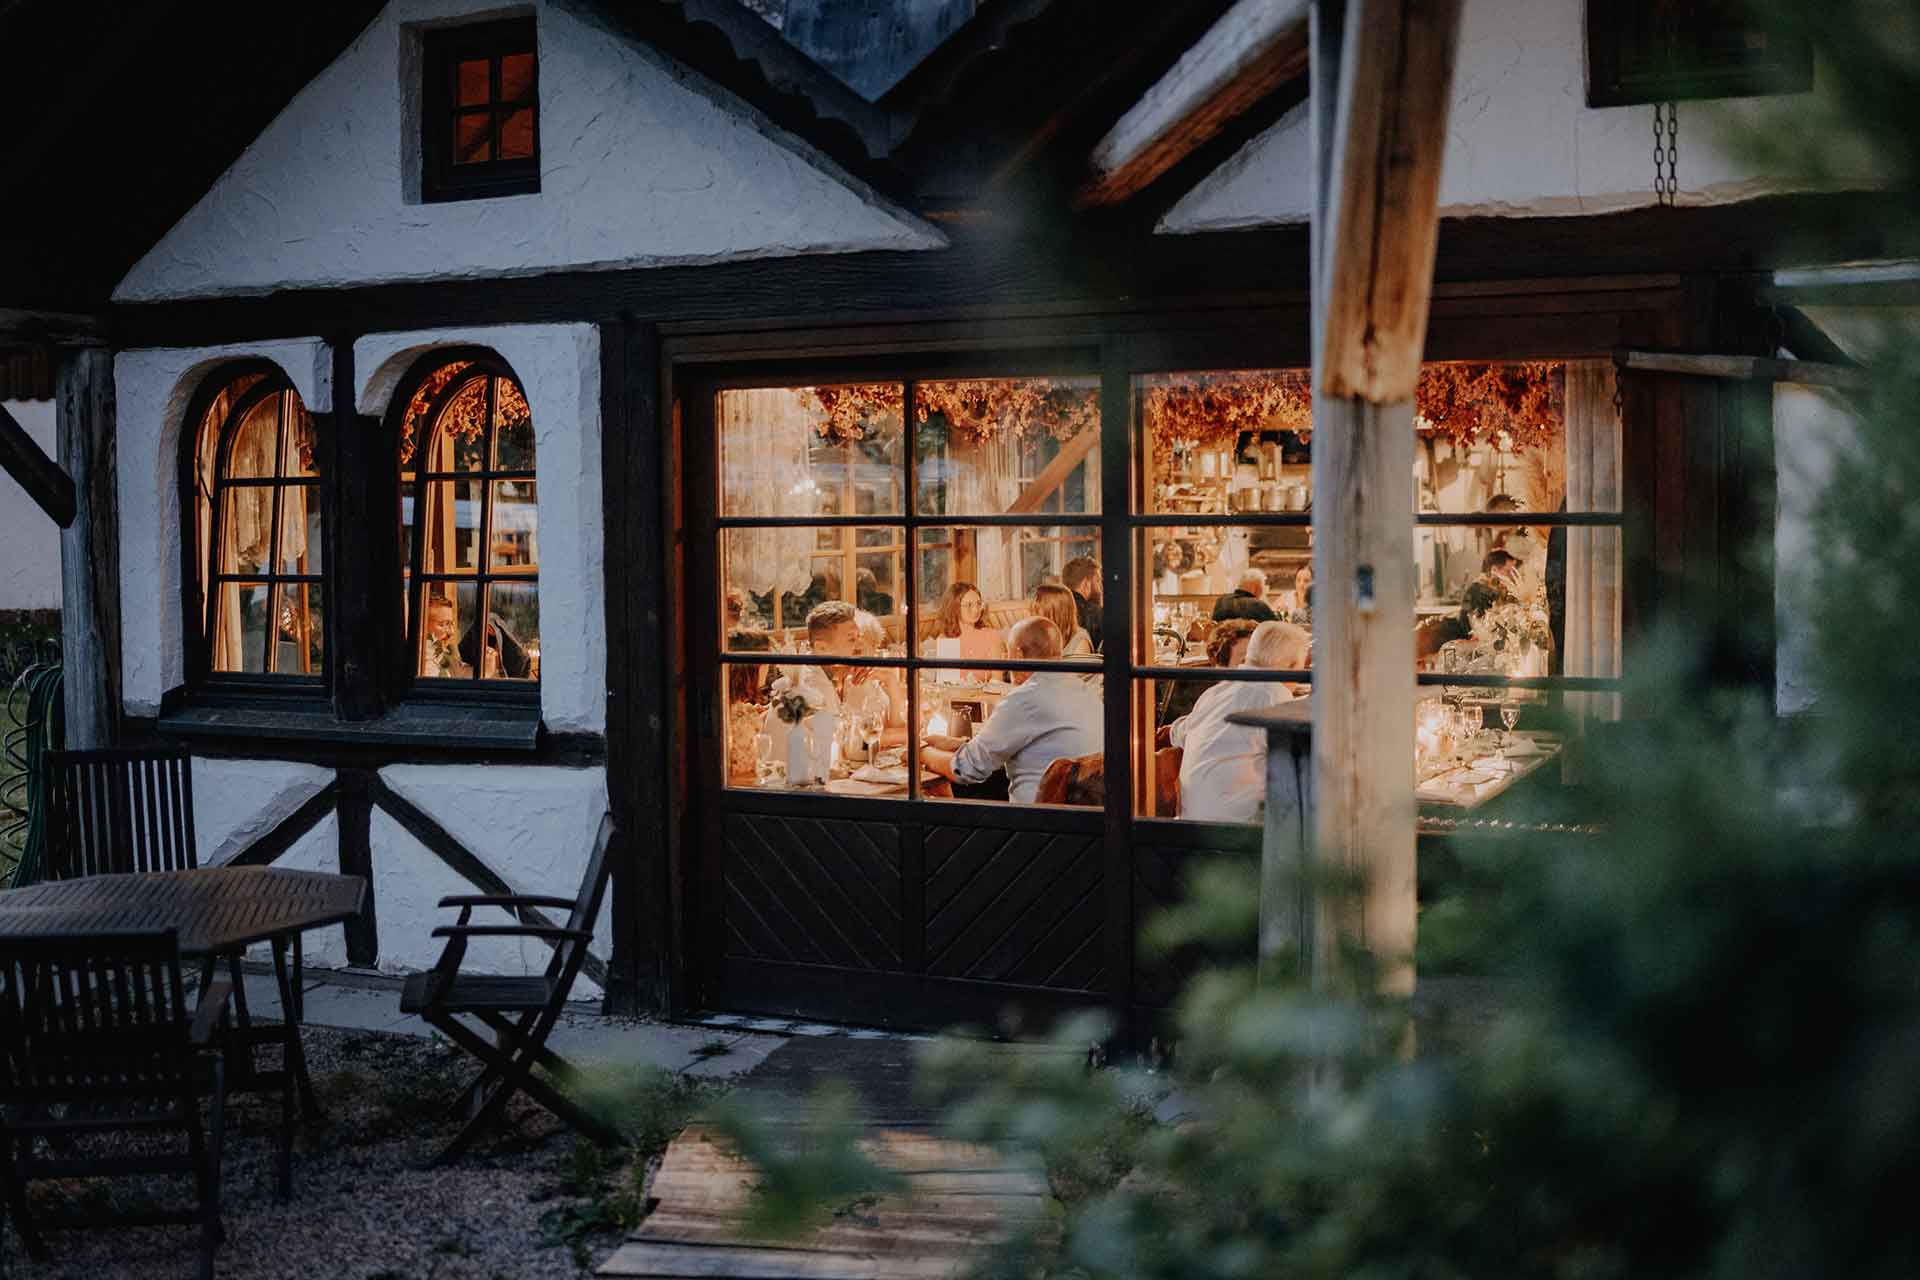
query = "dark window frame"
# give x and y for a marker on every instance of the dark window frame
(441, 179)
(409, 583)
(200, 573)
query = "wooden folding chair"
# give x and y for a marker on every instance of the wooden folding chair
(519, 1011)
(124, 809)
(96, 1036)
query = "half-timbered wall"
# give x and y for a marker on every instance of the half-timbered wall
(641, 164)
(1522, 140)
(30, 566)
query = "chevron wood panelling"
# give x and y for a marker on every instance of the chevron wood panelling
(1015, 906)
(813, 891)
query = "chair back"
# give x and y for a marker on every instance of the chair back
(571, 954)
(120, 809)
(1080, 780)
(91, 1016)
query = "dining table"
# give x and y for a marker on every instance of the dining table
(214, 912)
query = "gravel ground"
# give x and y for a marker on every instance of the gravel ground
(527, 1201)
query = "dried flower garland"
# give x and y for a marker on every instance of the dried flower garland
(465, 415)
(977, 410)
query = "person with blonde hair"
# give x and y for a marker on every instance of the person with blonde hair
(961, 630)
(1053, 601)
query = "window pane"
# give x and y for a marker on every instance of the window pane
(408, 488)
(447, 641)
(801, 451)
(516, 526)
(516, 77)
(997, 446)
(516, 134)
(460, 442)
(1003, 735)
(774, 578)
(1192, 580)
(250, 455)
(1004, 567)
(240, 627)
(300, 636)
(450, 531)
(848, 739)
(299, 529)
(473, 138)
(246, 529)
(299, 459)
(1546, 601)
(513, 632)
(513, 445)
(1202, 766)
(472, 80)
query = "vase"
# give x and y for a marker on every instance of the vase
(820, 733)
(800, 770)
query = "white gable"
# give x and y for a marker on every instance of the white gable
(1522, 140)
(641, 165)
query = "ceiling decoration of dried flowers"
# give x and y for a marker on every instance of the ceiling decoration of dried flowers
(976, 410)
(465, 414)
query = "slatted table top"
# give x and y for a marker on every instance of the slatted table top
(215, 909)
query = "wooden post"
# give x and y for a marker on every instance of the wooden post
(90, 549)
(1382, 81)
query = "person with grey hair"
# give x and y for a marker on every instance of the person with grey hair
(1224, 767)
(1053, 715)
(1249, 600)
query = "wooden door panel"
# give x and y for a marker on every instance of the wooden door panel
(812, 890)
(1012, 906)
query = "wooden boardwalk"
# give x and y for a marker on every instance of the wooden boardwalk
(960, 1197)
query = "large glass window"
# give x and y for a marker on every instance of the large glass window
(257, 524)
(470, 527)
(963, 670)
(1516, 560)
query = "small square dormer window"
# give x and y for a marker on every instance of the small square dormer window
(481, 112)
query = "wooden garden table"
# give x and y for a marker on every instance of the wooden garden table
(215, 911)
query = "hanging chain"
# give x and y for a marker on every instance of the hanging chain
(1666, 151)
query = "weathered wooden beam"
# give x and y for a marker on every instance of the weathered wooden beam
(1383, 72)
(50, 329)
(1865, 284)
(1054, 474)
(1256, 47)
(23, 459)
(1742, 368)
(90, 550)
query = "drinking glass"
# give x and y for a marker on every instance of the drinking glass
(1509, 714)
(1472, 715)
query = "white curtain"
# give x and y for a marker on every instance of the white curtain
(765, 436)
(1592, 636)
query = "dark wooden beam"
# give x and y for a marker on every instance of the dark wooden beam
(1743, 368)
(286, 832)
(1258, 46)
(22, 458)
(1808, 341)
(50, 329)
(90, 549)
(356, 859)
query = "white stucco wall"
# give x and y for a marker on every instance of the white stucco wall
(152, 389)
(559, 369)
(235, 802)
(533, 825)
(29, 541)
(1521, 139)
(642, 164)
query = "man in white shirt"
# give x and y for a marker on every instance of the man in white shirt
(1223, 773)
(1053, 715)
(832, 631)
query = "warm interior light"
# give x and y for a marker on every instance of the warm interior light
(938, 725)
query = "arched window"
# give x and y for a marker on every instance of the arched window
(255, 481)
(469, 526)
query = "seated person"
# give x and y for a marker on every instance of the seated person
(1249, 600)
(1050, 716)
(868, 595)
(832, 632)
(961, 631)
(1223, 775)
(1226, 647)
(1054, 602)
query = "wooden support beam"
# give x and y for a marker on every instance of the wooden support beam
(1382, 80)
(1256, 47)
(23, 459)
(1054, 474)
(50, 329)
(90, 550)
(1742, 368)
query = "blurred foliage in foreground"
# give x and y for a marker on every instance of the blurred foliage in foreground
(1708, 1062)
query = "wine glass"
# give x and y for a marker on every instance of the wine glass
(763, 754)
(1472, 715)
(1509, 714)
